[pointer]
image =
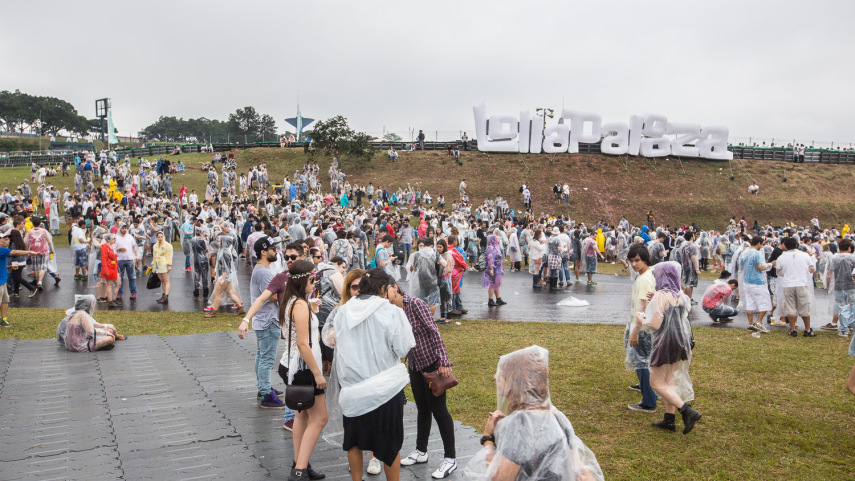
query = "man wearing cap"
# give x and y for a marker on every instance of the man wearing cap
(126, 253)
(274, 293)
(5, 252)
(264, 323)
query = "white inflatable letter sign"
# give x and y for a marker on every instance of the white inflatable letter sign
(615, 138)
(485, 144)
(577, 128)
(649, 135)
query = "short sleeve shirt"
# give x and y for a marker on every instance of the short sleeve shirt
(842, 265)
(643, 284)
(4, 255)
(749, 261)
(277, 285)
(260, 280)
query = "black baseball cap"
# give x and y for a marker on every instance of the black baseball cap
(264, 244)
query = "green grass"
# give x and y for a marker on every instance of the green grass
(774, 408)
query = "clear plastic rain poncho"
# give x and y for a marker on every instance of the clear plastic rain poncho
(535, 436)
(73, 335)
(95, 257)
(667, 321)
(226, 262)
(333, 432)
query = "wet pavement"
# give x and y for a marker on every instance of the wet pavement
(179, 407)
(608, 299)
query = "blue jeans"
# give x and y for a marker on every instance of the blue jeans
(128, 266)
(566, 198)
(408, 248)
(845, 301)
(456, 303)
(565, 270)
(648, 397)
(721, 311)
(265, 355)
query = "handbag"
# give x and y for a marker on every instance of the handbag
(300, 394)
(438, 384)
(153, 281)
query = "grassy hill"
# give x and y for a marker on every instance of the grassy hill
(602, 187)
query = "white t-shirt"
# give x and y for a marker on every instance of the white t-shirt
(793, 268)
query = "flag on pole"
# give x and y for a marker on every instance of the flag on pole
(111, 138)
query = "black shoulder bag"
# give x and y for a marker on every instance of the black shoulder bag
(300, 393)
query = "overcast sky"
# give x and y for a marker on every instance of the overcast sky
(765, 69)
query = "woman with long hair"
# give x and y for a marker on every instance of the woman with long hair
(304, 364)
(667, 321)
(161, 263)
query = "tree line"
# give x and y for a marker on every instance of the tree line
(21, 112)
(243, 125)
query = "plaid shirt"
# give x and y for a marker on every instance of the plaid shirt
(429, 346)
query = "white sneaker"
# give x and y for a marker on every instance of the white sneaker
(374, 466)
(447, 467)
(761, 327)
(414, 458)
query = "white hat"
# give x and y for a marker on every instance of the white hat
(555, 231)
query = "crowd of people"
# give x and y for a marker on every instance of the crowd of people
(329, 266)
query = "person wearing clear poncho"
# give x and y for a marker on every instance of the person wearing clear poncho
(95, 242)
(667, 321)
(79, 332)
(226, 279)
(201, 266)
(527, 438)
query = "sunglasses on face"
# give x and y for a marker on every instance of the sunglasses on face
(292, 257)
(355, 285)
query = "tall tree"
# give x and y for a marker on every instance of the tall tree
(335, 137)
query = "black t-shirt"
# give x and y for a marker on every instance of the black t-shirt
(482, 237)
(776, 253)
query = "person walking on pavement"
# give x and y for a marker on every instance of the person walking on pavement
(126, 252)
(264, 324)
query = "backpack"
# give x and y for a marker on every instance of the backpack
(426, 271)
(398, 252)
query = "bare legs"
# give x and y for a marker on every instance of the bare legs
(164, 281)
(662, 381)
(307, 429)
(793, 319)
(354, 460)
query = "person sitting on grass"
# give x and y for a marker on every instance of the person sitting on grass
(527, 437)
(715, 297)
(393, 154)
(79, 332)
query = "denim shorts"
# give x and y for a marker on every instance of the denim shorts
(429, 295)
(590, 264)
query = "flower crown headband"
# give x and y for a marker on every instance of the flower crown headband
(300, 276)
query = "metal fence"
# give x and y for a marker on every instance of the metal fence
(781, 154)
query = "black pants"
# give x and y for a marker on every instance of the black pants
(428, 406)
(517, 265)
(18, 281)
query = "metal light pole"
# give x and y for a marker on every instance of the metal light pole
(546, 113)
